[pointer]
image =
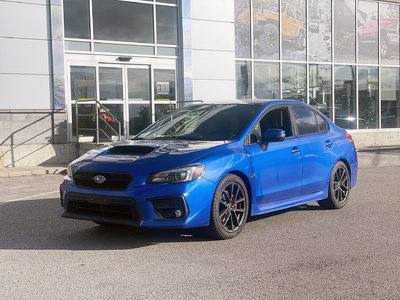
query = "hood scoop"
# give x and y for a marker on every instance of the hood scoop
(130, 150)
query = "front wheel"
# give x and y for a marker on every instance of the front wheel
(230, 208)
(339, 187)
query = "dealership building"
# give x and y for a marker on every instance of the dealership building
(75, 73)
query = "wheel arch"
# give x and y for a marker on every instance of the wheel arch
(246, 181)
(342, 159)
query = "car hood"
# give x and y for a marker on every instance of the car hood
(145, 157)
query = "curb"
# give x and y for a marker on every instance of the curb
(29, 171)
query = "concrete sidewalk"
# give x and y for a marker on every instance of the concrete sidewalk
(367, 157)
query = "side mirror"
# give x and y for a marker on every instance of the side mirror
(272, 135)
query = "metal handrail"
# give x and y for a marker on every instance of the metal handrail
(97, 115)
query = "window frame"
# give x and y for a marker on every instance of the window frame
(294, 133)
(314, 112)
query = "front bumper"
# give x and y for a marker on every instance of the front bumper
(183, 205)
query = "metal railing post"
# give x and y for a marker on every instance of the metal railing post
(97, 124)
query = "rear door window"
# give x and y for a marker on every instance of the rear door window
(305, 120)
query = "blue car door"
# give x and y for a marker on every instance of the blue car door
(315, 142)
(278, 170)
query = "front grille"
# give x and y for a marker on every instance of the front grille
(103, 206)
(114, 181)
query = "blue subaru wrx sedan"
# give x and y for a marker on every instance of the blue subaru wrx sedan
(213, 166)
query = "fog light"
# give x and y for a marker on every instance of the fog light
(178, 213)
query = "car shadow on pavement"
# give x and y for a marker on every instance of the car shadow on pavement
(35, 224)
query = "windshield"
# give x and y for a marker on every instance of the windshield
(202, 123)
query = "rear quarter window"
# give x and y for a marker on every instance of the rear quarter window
(322, 123)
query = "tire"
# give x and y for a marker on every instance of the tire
(229, 209)
(339, 188)
(269, 39)
(300, 41)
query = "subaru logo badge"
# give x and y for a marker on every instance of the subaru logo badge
(99, 179)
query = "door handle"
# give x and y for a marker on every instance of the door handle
(329, 143)
(295, 150)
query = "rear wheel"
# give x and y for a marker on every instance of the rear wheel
(339, 187)
(230, 208)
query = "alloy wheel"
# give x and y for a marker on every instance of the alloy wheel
(232, 209)
(341, 184)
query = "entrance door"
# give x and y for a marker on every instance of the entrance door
(135, 95)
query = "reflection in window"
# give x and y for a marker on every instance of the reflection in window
(83, 83)
(266, 29)
(109, 123)
(164, 85)
(76, 19)
(243, 80)
(130, 22)
(319, 30)
(320, 88)
(390, 98)
(110, 83)
(242, 28)
(305, 121)
(368, 110)
(345, 101)
(167, 25)
(389, 34)
(266, 80)
(85, 120)
(294, 30)
(345, 27)
(162, 109)
(138, 84)
(368, 32)
(294, 82)
(139, 117)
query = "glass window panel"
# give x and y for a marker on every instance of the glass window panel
(166, 1)
(110, 83)
(76, 19)
(389, 31)
(367, 32)
(320, 88)
(305, 120)
(162, 109)
(88, 122)
(167, 51)
(167, 25)
(83, 83)
(345, 100)
(164, 85)
(130, 21)
(319, 30)
(77, 46)
(266, 29)
(242, 28)
(345, 27)
(368, 110)
(109, 123)
(294, 30)
(138, 84)
(294, 81)
(266, 80)
(322, 123)
(243, 80)
(123, 49)
(390, 99)
(139, 117)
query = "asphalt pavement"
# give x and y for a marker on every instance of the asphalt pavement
(301, 253)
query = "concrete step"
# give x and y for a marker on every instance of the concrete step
(36, 170)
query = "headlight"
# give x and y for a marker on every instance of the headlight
(178, 175)
(72, 168)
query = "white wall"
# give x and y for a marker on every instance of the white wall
(212, 47)
(24, 55)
